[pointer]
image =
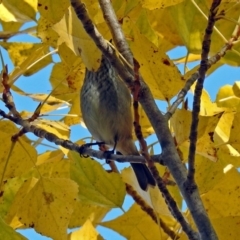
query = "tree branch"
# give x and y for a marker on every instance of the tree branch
(211, 61)
(87, 24)
(39, 132)
(198, 92)
(160, 125)
(116, 30)
(146, 208)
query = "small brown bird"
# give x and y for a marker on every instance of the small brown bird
(106, 111)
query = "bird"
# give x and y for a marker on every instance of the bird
(106, 110)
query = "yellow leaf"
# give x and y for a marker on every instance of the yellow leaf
(186, 24)
(12, 218)
(227, 227)
(226, 152)
(52, 10)
(30, 62)
(145, 27)
(85, 211)
(146, 126)
(46, 33)
(13, 33)
(50, 156)
(129, 6)
(226, 98)
(46, 205)
(8, 127)
(156, 68)
(49, 105)
(74, 116)
(73, 66)
(189, 58)
(11, 26)
(153, 4)
(181, 122)
(222, 201)
(19, 52)
(223, 129)
(229, 155)
(94, 11)
(7, 232)
(56, 127)
(152, 196)
(41, 97)
(231, 57)
(208, 173)
(208, 108)
(192, 36)
(135, 224)
(70, 72)
(9, 190)
(61, 74)
(60, 169)
(236, 88)
(130, 178)
(173, 190)
(18, 10)
(95, 184)
(163, 24)
(235, 131)
(22, 156)
(87, 232)
(71, 32)
(205, 145)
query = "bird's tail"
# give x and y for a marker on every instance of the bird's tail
(143, 175)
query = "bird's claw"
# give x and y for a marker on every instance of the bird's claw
(107, 155)
(87, 145)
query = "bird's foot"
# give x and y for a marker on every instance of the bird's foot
(87, 145)
(107, 155)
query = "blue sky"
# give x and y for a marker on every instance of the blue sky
(38, 83)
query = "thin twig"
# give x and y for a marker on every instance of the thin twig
(171, 203)
(205, 16)
(7, 35)
(7, 95)
(146, 208)
(211, 61)
(28, 127)
(198, 91)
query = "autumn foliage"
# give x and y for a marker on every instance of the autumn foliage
(56, 190)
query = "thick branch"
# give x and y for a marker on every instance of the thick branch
(116, 30)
